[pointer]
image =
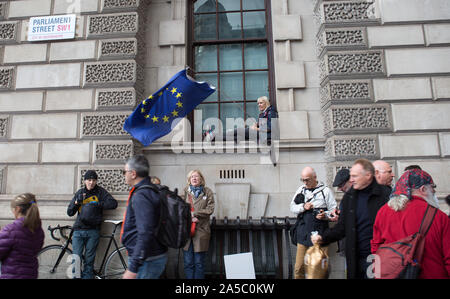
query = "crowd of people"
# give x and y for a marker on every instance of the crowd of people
(21, 241)
(370, 214)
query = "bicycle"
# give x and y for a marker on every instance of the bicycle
(55, 261)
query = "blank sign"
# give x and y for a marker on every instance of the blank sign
(239, 266)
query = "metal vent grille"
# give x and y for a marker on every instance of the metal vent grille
(232, 174)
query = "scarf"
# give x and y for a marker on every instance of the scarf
(197, 190)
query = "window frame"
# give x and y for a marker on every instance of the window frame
(268, 40)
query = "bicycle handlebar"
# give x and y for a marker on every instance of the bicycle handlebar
(58, 227)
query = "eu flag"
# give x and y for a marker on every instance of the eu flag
(160, 112)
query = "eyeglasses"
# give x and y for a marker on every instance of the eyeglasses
(305, 180)
(125, 171)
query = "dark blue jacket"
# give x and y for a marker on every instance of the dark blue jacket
(139, 232)
(265, 121)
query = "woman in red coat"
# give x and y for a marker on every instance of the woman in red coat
(402, 217)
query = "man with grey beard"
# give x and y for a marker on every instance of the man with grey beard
(402, 216)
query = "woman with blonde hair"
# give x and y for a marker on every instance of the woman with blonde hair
(21, 240)
(201, 199)
(261, 130)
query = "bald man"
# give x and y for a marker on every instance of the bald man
(312, 203)
(383, 173)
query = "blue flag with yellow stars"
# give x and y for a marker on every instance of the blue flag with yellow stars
(160, 112)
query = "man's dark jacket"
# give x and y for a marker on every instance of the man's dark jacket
(346, 226)
(93, 202)
(139, 231)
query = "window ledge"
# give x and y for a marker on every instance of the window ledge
(241, 147)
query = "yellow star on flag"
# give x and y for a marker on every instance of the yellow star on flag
(144, 102)
(155, 119)
(142, 110)
(179, 104)
(174, 90)
(147, 116)
(178, 95)
(160, 94)
(166, 119)
(175, 113)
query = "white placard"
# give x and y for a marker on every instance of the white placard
(52, 27)
(239, 266)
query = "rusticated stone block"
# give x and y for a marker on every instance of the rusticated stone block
(6, 77)
(4, 126)
(353, 147)
(3, 7)
(113, 24)
(113, 151)
(346, 91)
(107, 73)
(120, 4)
(116, 98)
(8, 32)
(348, 11)
(333, 39)
(105, 124)
(118, 48)
(110, 178)
(340, 64)
(361, 118)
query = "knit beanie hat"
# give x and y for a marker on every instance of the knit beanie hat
(90, 175)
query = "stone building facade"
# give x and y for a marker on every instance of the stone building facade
(350, 78)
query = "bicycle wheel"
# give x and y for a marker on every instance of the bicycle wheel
(116, 264)
(47, 259)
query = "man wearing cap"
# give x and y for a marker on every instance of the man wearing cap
(342, 180)
(89, 202)
(402, 216)
(343, 184)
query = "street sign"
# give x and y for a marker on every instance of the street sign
(52, 27)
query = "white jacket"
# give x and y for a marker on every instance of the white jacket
(320, 197)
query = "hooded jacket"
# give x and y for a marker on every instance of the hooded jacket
(18, 251)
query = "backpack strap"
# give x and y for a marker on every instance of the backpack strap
(427, 220)
(423, 230)
(153, 187)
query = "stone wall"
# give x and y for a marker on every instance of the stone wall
(63, 103)
(384, 75)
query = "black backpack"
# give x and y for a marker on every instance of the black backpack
(174, 225)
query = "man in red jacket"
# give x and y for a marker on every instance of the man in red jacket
(402, 216)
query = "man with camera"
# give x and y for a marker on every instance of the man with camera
(313, 204)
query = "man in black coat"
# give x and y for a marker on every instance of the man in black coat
(89, 202)
(359, 209)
